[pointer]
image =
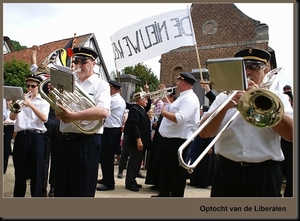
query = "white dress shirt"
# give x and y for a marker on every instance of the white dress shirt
(117, 108)
(187, 112)
(243, 142)
(27, 120)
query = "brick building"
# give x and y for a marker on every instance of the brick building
(221, 29)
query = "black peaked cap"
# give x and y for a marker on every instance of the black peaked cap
(255, 54)
(85, 52)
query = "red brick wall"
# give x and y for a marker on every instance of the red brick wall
(221, 30)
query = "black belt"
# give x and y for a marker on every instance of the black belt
(8, 125)
(26, 132)
(246, 164)
(73, 136)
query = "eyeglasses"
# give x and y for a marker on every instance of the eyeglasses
(29, 85)
(82, 61)
(254, 66)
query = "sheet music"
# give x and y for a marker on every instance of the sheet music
(227, 74)
(62, 78)
(14, 93)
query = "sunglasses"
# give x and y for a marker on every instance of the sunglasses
(29, 85)
(82, 61)
(254, 66)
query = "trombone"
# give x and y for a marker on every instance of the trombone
(259, 107)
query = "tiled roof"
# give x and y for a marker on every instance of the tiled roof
(45, 49)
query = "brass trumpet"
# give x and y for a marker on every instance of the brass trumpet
(15, 106)
(158, 94)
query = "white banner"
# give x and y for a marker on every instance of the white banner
(151, 37)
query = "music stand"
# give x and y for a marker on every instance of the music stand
(13, 93)
(227, 74)
(62, 78)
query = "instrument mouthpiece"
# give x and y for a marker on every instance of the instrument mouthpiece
(77, 70)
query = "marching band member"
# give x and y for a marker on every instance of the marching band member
(78, 154)
(28, 151)
(8, 132)
(111, 137)
(248, 156)
(180, 119)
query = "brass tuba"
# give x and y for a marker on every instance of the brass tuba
(74, 102)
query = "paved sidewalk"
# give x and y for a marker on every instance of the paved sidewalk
(118, 192)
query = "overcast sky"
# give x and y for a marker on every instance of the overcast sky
(40, 23)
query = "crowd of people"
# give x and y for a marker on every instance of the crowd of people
(48, 148)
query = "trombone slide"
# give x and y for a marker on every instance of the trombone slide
(191, 138)
(256, 112)
(190, 167)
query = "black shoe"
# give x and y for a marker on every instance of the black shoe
(140, 175)
(44, 193)
(135, 189)
(51, 192)
(160, 195)
(154, 187)
(202, 187)
(120, 175)
(138, 185)
(102, 187)
(191, 184)
(100, 181)
(155, 195)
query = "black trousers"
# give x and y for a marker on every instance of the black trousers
(175, 175)
(7, 136)
(234, 180)
(287, 167)
(28, 155)
(110, 140)
(77, 163)
(124, 155)
(155, 170)
(134, 165)
(52, 139)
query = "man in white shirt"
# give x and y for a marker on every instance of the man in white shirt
(111, 137)
(78, 154)
(248, 156)
(28, 151)
(180, 120)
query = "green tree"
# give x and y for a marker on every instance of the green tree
(15, 72)
(113, 75)
(145, 75)
(17, 46)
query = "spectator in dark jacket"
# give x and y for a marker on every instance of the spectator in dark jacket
(138, 138)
